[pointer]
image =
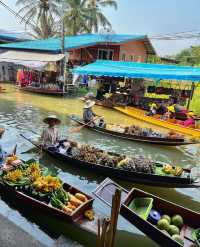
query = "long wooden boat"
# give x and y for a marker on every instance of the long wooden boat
(46, 91)
(144, 139)
(77, 218)
(191, 219)
(186, 181)
(140, 114)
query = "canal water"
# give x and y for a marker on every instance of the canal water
(22, 112)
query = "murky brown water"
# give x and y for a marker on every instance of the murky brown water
(21, 112)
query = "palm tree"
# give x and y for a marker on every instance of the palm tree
(76, 16)
(97, 18)
(40, 13)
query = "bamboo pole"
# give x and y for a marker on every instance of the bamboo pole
(116, 202)
(102, 232)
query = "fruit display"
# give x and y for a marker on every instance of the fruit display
(46, 184)
(37, 182)
(67, 202)
(176, 171)
(95, 156)
(172, 225)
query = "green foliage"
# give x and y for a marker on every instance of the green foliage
(80, 16)
(190, 56)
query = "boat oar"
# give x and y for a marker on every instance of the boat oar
(77, 129)
(14, 150)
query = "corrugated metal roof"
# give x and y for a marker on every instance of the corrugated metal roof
(140, 70)
(9, 36)
(72, 42)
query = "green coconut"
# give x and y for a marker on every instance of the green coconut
(177, 220)
(173, 230)
(167, 217)
(178, 239)
(163, 224)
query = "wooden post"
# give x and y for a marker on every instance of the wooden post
(102, 232)
(191, 95)
(116, 203)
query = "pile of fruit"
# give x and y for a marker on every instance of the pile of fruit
(172, 226)
(95, 156)
(176, 171)
(32, 179)
(67, 202)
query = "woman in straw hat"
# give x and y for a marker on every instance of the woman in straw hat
(88, 114)
(2, 153)
(50, 135)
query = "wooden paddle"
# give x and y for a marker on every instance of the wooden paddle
(77, 129)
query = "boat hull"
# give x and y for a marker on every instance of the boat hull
(134, 177)
(150, 140)
(43, 91)
(191, 218)
(140, 114)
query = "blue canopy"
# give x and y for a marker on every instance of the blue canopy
(139, 70)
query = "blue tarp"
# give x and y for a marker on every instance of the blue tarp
(72, 42)
(139, 70)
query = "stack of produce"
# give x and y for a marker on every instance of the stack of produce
(176, 171)
(95, 156)
(137, 164)
(31, 179)
(171, 226)
(66, 201)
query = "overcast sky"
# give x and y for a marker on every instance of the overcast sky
(151, 17)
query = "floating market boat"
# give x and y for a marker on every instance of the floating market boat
(43, 201)
(40, 90)
(140, 114)
(149, 172)
(145, 139)
(144, 210)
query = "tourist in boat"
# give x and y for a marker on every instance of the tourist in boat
(2, 153)
(50, 136)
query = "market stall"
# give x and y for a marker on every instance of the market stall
(173, 108)
(36, 72)
(136, 82)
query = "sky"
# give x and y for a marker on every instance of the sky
(150, 17)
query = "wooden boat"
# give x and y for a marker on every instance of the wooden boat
(186, 181)
(77, 217)
(140, 114)
(39, 90)
(191, 219)
(144, 139)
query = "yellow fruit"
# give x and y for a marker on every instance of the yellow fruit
(178, 171)
(89, 214)
(13, 176)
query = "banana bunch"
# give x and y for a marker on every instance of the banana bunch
(13, 176)
(46, 184)
(176, 171)
(33, 171)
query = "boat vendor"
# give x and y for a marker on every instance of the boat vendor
(50, 136)
(2, 153)
(89, 116)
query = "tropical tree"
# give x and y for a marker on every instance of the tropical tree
(39, 15)
(96, 17)
(76, 16)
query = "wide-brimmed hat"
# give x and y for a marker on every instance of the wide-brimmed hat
(89, 104)
(50, 118)
(2, 130)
